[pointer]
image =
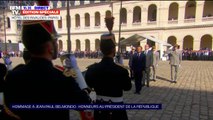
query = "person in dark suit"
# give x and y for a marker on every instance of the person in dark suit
(3, 72)
(138, 66)
(39, 82)
(149, 61)
(109, 80)
(130, 62)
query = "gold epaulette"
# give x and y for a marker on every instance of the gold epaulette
(66, 72)
(10, 113)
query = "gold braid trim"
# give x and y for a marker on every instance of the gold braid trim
(10, 113)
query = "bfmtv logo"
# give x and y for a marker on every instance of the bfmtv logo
(15, 10)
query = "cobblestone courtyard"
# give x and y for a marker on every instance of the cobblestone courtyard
(191, 98)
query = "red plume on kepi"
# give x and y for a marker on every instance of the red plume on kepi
(43, 2)
(47, 25)
(36, 32)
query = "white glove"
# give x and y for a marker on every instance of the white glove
(92, 95)
(171, 48)
(73, 61)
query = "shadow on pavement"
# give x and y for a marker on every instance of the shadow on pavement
(162, 78)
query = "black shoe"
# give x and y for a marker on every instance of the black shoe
(175, 81)
(154, 80)
(147, 85)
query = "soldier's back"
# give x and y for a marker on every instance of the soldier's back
(40, 83)
(108, 78)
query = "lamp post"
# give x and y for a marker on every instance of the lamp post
(68, 28)
(5, 37)
(119, 33)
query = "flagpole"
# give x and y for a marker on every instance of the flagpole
(5, 30)
(119, 33)
(68, 28)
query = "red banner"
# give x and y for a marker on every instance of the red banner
(40, 12)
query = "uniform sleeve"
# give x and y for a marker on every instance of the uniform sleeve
(127, 85)
(89, 78)
(133, 62)
(73, 93)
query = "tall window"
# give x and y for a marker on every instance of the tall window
(87, 20)
(190, 10)
(173, 11)
(77, 20)
(123, 15)
(60, 23)
(97, 19)
(8, 22)
(152, 13)
(137, 14)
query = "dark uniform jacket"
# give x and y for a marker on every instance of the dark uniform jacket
(39, 82)
(108, 78)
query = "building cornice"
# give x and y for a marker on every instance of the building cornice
(85, 5)
(144, 29)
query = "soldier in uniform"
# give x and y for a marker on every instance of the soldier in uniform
(3, 72)
(39, 82)
(175, 60)
(155, 60)
(109, 80)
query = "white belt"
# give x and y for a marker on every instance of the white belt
(106, 98)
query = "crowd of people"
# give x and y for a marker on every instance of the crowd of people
(188, 54)
(203, 54)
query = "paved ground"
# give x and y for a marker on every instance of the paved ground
(190, 99)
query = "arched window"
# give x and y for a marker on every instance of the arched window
(152, 12)
(190, 10)
(137, 14)
(60, 23)
(8, 22)
(123, 15)
(78, 45)
(188, 42)
(87, 20)
(97, 44)
(206, 42)
(60, 46)
(173, 11)
(208, 9)
(97, 19)
(87, 45)
(172, 40)
(77, 21)
(108, 13)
